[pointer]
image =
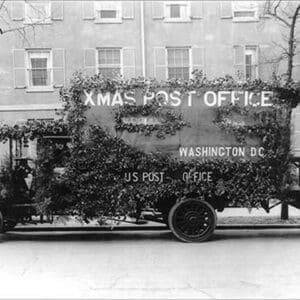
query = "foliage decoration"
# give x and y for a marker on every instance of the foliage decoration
(95, 171)
(33, 129)
(168, 121)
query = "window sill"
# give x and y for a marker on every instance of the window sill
(40, 90)
(37, 23)
(109, 21)
(236, 20)
(168, 20)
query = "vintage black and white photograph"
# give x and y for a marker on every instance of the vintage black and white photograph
(149, 149)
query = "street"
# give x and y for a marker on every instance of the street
(234, 264)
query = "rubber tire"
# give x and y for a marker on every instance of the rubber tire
(2, 229)
(8, 226)
(179, 235)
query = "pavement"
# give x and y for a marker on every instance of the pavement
(146, 261)
(235, 264)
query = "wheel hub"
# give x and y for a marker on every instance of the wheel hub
(192, 217)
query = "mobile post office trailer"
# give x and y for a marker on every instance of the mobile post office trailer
(172, 152)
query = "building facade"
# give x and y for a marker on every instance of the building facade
(157, 39)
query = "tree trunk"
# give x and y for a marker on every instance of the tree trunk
(284, 206)
(284, 211)
(292, 45)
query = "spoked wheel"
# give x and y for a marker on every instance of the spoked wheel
(192, 220)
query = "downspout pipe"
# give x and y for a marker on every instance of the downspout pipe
(143, 38)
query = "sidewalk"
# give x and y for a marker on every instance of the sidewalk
(275, 212)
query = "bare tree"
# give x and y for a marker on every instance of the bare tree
(8, 26)
(286, 13)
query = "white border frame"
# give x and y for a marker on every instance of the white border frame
(245, 19)
(110, 47)
(257, 59)
(116, 20)
(48, 88)
(177, 20)
(190, 60)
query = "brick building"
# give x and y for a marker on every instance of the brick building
(160, 39)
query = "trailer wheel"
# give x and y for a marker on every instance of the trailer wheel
(10, 224)
(2, 229)
(192, 220)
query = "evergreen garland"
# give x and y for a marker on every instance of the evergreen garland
(95, 170)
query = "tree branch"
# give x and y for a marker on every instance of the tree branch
(279, 18)
(274, 13)
(2, 4)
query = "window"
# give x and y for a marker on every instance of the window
(244, 11)
(251, 62)
(38, 12)
(108, 11)
(39, 67)
(178, 63)
(174, 11)
(109, 62)
(177, 11)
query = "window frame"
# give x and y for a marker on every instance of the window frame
(97, 9)
(28, 20)
(109, 48)
(39, 88)
(255, 18)
(181, 19)
(190, 61)
(255, 48)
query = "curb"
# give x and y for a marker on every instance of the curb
(88, 228)
(258, 226)
(151, 228)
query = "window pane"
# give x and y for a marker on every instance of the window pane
(248, 72)
(116, 57)
(174, 11)
(248, 59)
(178, 57)
(171, 57)
(186, 57)
(109, 62)
(101, 57)
(179, 73)
(109, 57)
(39, 77)
(251, 72)
(37, 63)
(39, 73)
(244, 14)
(108, 14)
(110, 72)
(186, 74)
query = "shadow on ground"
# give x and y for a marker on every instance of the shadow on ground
(87, 237)
(219, 235)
